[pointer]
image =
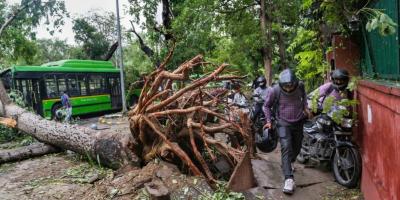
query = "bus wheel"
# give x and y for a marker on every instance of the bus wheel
(54, 110)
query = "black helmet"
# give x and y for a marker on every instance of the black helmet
(287, 79)
(267, 141)
(261, 81)
(340, 79)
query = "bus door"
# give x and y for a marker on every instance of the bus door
(115, 92)
(36, 96)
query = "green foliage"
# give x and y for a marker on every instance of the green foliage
(49, 50)
(314, 101)
(309, 54)
(328, 103)
(17, 40)
(8, 134)
(17, 97)
(222, 193)
(83, 172)
(379, 20)
(14, 138)
(339, 114)
(223, 31)
(352, 86)
(94, 43)
(136, 63)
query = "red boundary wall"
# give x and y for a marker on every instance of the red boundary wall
(378, 136)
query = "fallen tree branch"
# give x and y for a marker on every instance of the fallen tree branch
(21, 153)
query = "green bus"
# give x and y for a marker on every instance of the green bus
(93, 86)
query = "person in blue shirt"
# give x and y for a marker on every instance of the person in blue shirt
(67, 105)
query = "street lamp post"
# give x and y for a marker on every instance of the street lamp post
(120, 60)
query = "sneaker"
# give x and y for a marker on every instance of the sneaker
(289, 186)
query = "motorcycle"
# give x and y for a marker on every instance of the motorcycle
(326, 141)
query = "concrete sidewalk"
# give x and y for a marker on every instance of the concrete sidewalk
(312, 183)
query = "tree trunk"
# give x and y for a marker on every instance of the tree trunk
(282, 50)
(265, 25)
(110, 149)
(30, 151)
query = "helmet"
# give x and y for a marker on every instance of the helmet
(288, 81)
(267, 141)
(261, 82)
(340, 79)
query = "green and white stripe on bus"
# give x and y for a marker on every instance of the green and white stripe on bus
(81, 105)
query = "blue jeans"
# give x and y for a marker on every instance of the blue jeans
(68, 111)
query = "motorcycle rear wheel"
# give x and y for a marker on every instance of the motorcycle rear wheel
(347, 166)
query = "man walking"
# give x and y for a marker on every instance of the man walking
(67, 105)
(287, 103)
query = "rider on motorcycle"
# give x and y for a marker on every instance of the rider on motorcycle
(259, 96)
(238, 101)
(337, 88)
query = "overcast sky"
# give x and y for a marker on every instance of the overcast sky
(81, 7)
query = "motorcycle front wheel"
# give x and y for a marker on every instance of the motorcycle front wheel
(346, 166)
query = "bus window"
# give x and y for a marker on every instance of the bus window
(73, 89)
(97, 84)
(61, 84)
(82, 84)
(51, 86)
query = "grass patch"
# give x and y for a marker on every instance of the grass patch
(84, 172)
(6, 167)
(343, 194)
(222, 193)
(43, 181)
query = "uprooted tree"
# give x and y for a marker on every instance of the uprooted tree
(176, 125)
(181, 124)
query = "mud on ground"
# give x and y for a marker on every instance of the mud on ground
(64, 176)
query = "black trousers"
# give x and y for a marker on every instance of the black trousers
(258, 111)
(291, 136)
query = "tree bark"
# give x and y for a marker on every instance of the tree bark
(110, 149)
(166, 18)
(30, 151)
(266, 28)
(282, 50)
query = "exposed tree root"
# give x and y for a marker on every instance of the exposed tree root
(187, 119)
